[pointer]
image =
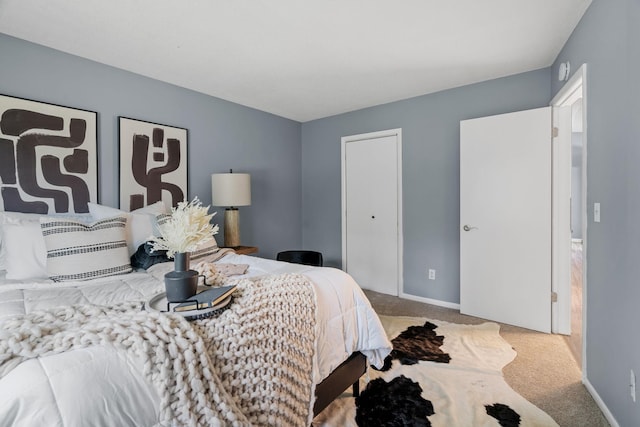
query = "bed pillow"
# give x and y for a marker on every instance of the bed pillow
(6, 217)
(200, 254)
(141, 223)
(25, 255)
(79, 251)
(209, 248)
(22, 254)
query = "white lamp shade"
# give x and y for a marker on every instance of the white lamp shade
(231, 189)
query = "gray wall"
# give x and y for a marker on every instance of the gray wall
(222, 134)
(607, 41)
(430, 144)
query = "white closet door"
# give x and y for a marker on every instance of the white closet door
(371, 238)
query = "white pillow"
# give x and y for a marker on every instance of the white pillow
(18, 216)
(6, 217)
(25, 253)
(24, 249)
(78, 251)
(141, 223)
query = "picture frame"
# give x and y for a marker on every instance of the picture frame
(48, 157)
(153, 163)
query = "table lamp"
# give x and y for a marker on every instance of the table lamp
(231, 190)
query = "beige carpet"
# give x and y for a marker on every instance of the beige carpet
(459, 390)
(544, 370)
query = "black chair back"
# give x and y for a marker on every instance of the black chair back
(301, 257)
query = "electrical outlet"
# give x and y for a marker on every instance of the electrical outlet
(632, 385)
(432, 274)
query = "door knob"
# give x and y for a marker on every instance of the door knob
(468, 228)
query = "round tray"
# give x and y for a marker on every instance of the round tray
(159, 303)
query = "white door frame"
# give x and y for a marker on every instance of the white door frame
(576, 87)
(372, 135)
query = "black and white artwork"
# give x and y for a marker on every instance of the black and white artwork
(153, 164)
(48, 157)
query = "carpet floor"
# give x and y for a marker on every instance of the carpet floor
(544, 372)
(440, 374)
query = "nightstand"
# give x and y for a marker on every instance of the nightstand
(243, 250)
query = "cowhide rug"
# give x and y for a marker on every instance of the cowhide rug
(439, 374)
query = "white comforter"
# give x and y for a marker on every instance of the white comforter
(99, 386)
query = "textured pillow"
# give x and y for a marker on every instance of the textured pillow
(23, 253)
(209, 248)
(78, 251)
(141, 223)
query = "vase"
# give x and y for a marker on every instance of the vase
(182, 283)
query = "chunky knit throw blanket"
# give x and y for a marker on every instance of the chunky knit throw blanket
(252, 365)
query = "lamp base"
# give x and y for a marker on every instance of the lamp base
(231, 227)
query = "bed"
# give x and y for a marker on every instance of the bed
(90, 353)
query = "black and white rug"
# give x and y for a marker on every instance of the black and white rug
(439, 374)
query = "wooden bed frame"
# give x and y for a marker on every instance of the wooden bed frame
(345, 375)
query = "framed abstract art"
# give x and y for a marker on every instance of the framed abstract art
(153, 164)
(48, 157)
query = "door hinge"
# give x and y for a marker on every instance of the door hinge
(554, 297)
(555, 132)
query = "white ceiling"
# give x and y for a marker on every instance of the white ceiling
(304, 59)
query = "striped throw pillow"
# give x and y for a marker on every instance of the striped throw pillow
(79, 251)
(209, 248)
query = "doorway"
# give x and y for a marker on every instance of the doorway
(372, 210)
(572, 99)
(480, 271)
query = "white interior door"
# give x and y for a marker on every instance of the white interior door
(371, 204)
(505, 214)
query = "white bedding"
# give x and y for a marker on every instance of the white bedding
(46, 388)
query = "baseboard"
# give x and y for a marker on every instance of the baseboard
(607, 413)
(430, 301)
